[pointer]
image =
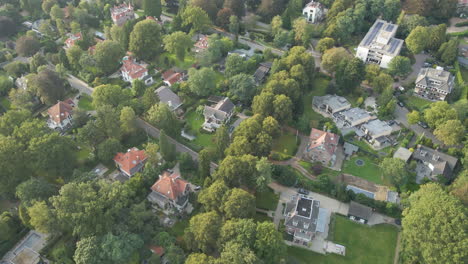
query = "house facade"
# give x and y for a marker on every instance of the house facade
(218, 114)
(60, 115)
(130, 162)
(132, 70)
(380, 46)
(434, 84)
(201, 43)
(322, 147)
(432, 163)
(304, 218)
(170, 191)
(122, 13)
(313, 12)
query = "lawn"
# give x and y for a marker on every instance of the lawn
(179, 227)
(260, 217)
(364, 245)
(189, 60)
(286, 144)
(86, 102)
(195, 122)
(267, 200)
(369, 171)
(83, 154)
(414, 103)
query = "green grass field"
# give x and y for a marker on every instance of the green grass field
(364, 245)
(189, 60)
(195, 122)
(86, 102)
(369, 171)
(267, 200)
(286, 144)
(414, 103)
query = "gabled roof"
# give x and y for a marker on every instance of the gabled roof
(202, 42)
(172, 76)
(221, 110)
(323, 140)
(167, 96)
(70, 42)
(61, 110)
(262, 71)
(427, 76)
(129, 160)
(120, 10)
(132, 68)
(170, 185)
(442, 163)
(158, 250)
(359, 210)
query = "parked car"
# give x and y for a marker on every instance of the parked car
(401, 104)
(303, 191)
(423, 125)
(391, 122)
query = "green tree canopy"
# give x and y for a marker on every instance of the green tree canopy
(239, 204)
(108, 54)
(196, 18)
(145, 39)
(399, 66)
(417, 40)
(177, 43)
(451, 132)
(439, 113)
(152, 8)
(162, 117)
(202, 82)
(434, 227)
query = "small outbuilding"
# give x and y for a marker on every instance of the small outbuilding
(403, 154)
(359, 212)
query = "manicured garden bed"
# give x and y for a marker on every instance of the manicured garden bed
(364, 245)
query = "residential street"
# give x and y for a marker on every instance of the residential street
(80, 85)
(154, 132)
(400, 116)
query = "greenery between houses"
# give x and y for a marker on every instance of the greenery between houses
(266, 200)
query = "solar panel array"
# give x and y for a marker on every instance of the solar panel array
(373, 34)
(394, 43)
(389, 28)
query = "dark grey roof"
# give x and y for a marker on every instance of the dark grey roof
(302, 213)
(349, 149)
(167, 96)
(225, 105)
(215, 98)
(442, 163)
(359, 210)
(262, 71)
(221, 110)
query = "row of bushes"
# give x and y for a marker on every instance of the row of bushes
(461, 24)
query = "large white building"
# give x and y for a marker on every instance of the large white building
(313, 12)
(434, 84)
(380, 46)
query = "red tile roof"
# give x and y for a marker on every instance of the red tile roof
(170, 185)
(202, 43)
(121, 10)
(133, 69)
(172, 77)
(158, 250)
(61, 110)
(129, 160)
(319, 138)
(70, 42)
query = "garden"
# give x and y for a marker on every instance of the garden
(194, 123)
(363, 167)
(364, 244)
(86, 102)
(286, 144)
(413, 102)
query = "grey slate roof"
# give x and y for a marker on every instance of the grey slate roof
(427, 76)
(376, 127)
(350, 149)
(221, 110)
(262, 71)
(359, 210)
(167, 96)
(403, 154)
(443, 163)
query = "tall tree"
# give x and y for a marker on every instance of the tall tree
(112, 95)
(34, 190)
(177, 43)
(222, 141)
(27, 46)
(243, 87)
(161, 116)
(203, 232)
(128, 120)
(212, 197)
(451, 132)
(332, 57)
(394, 169)
(204, 161)
(436, 37)
(11, 160)
(108, 54)
(202, 82)
(417, 39)
(168, 151)
(48, 86)
(399, 66)
(237, 6)
(107, 149)
(448, 51)
(152, 8)
(439, 113)
(145, 39)
(239, 204)
(428, 236)
(196, 18)
(269, 244)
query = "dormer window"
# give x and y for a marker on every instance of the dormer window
(295, 223)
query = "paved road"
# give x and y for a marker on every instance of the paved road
(400, 116)
(80, 85)
(420, 59)
(154, 132)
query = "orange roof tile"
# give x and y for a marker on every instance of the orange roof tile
(158, 250)
(324, 139)
(170, 185)
(129, 160)
(61, 110)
